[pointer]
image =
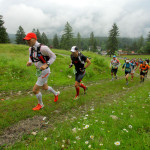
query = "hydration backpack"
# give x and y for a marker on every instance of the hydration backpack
(41, 57)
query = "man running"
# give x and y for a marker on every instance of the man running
(42, 57)
(127, 65)
(133, 68)
(79, 60)
(143, 70)
(115, 64)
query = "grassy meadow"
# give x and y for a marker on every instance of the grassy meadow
(110, 116)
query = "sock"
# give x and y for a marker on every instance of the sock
(52, 90)
(83, 86)
(39, 97)
(77, 90)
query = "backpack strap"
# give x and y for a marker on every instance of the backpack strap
(79, 56)
(41, 58)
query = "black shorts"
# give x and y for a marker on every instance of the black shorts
(114, 70)
(79, 76)
(127, 73)
(142, 73)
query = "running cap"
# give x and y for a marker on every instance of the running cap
(114, 56)
(127, 60)
(30, 36)
(74, 49)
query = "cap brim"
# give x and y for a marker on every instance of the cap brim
(27, 38)
(73, 50)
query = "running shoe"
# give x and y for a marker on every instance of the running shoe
(76, 97)
(38, 107)
(116, 77)
(85, 90)
(56, 96)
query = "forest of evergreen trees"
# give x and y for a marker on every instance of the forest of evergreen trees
(111, 44)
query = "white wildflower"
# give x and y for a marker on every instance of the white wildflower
(125, 130)
(74, 130)
(117, 143)
(45, 138)
(102, 122)
(87, 126)
(92, 137)
(130, 126)
(33, 133)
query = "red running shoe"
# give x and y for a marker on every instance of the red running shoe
(56, 96)
(38, 107)
(76, 97)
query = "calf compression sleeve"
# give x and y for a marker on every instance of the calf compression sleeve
(39, 97)
(52, 90)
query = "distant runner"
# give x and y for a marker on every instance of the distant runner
(115, 64)
(127, 65)
(133, 68)
(79, 60)
(143, 70)
(42, 57)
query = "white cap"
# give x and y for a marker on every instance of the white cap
(127, 60)
(74, 49)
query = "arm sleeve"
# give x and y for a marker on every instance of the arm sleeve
(29, 55)
(118, 63)
(47, 52)
(123, 65)
(110, 63)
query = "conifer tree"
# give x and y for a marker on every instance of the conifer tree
(55, 41)
(3, 34)
(67, 37)
(92, 43)
(44, 39)
(113, 40)
(20, 35)
(38, 34)
(78, 40)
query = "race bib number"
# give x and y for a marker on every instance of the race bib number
(144, 71)
(38, 72)
(128, 70)
(114, 67)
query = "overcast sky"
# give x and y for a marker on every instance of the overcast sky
(85, 16)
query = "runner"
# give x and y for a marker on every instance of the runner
(147, 62)
(143, 70)
(127, 65)
(78, 60)
(115, 64)
(42, 57)
(133, 68)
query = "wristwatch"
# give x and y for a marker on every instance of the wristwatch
(48, 63)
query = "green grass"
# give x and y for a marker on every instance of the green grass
(104, 98)
(15, 73)
(132, 108)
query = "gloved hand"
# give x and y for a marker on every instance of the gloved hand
(70, 65)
